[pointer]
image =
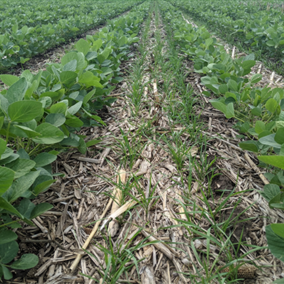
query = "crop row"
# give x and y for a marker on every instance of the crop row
(19, 43)
(259, 112)
(34, 13)
(40, 116)
(259, 28)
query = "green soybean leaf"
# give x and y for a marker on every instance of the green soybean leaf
(230, 111)
(269, 140)
(230, 95)
(256, 111)
(45, 101)
(9, 80)
(40, 208)
(21, 185)
(44, 159)
(21, 167)
(98, 119)
(7, 153)
(68, 78)
(219, 105)
(26, 207)
(263, 133)
(106, 52)
(74, 95)
(89, 96)
(275, 243)
(65, 130)
(24, 111)
(251, 56)
(252, 132)
(270, 191)
(223, 89)
(259, 126)
(59, 108)
(56, 119)
(90, 80)
(43, 186)
(279, 124)
(276, 161)
(91, 55)
(17, 91)
(8, 160)
(4, 104)
(31, 90)
(281, 116)
(255, 78)
(278, 229)
(73, 142)
(75, 108)
(55, 96)
(4, 204)
(29, 132)
(79, 56)
(277, 201)
(270, 126)
(7, 236)
(209, 41)
(93, 142)
(244, 127)
(95, 117)
(6, 272)
(82, 46)
(49, 134)
(28, 75)
(6, 179)
(248, 64)
(270, 43)
(74, 122)
(8, 251)
(123, 40)
(271, 105)
(97, 44)
(279, 136)
(70, 66)
(232, 85)
(27, 261)
(249, 146)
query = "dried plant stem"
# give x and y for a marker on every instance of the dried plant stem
(113, 225)
(254, 166)
(87, 242)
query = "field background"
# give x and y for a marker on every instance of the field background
(141, 141)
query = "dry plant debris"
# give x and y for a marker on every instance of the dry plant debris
(137, 194)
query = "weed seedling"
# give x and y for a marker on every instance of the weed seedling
(131, 148)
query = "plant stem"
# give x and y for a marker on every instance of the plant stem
(18, 143)
(41, 150)
(28, 145)
(7, 132)
(6, 224)
(34, 149)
